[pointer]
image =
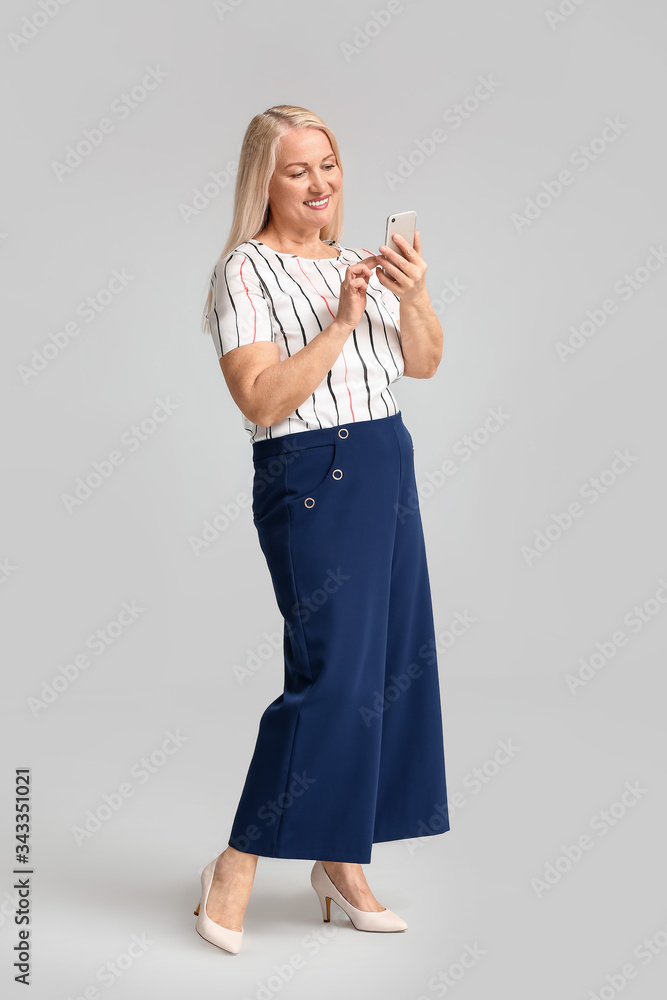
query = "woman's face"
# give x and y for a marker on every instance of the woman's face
(306, 171)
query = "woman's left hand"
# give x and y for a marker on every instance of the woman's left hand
(400, 275)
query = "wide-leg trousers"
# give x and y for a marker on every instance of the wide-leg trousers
(351, 753)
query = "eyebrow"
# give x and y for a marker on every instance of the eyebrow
(302, 163)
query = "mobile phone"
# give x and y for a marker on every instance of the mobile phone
(402, 223)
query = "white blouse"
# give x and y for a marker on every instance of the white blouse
(261, 294)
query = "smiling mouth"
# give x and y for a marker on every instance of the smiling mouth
(320, 203)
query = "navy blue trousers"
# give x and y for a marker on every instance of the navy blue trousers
(351, 753)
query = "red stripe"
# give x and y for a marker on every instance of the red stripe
(342, 351)
(249, 300)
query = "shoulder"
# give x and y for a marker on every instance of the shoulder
(242, 260)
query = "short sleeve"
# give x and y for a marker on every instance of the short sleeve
(239, 311)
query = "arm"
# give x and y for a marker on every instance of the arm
(420, 330)
(266, 389)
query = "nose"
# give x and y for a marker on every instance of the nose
(322, 187)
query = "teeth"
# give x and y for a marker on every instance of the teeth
(323, 201)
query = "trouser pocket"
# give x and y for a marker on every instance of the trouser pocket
(310, 473)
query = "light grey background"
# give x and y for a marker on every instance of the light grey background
(67, 574)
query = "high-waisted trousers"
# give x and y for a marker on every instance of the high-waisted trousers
(351, 753)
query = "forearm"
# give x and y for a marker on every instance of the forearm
(282, 387)
(421, 336)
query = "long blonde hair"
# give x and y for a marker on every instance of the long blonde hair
(257, 163)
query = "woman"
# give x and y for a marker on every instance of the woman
(310, 336)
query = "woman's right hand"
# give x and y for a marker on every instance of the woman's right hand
(352, 300)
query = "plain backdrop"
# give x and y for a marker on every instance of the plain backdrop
(139, 621)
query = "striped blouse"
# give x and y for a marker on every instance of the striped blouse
(261, 294)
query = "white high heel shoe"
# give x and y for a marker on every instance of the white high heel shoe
(363, 920)
(220, 936)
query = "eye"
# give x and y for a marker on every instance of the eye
(327, 166)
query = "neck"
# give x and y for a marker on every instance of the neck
(287, 241)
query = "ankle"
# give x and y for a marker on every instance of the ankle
(239, 859)
(349, 869)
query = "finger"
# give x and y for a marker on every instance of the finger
(392, 270)
(393, 257)
(386, 279)
(410, 251)
(362, 268)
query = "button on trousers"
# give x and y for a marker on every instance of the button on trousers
(351, 753)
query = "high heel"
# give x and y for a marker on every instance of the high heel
(363, 920)
(220, 936)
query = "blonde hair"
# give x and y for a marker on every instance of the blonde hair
(257, 164)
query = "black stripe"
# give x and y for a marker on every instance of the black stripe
(296, 313)
(377, 303)
(333, 396)
(215, 311)
(274, 274)
(386, 373)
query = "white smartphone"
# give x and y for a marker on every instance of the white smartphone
(402, 223)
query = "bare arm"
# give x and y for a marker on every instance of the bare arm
(266, 389)
(421, 336)
(421, 332)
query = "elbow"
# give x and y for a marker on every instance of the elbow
(256, 409)
(261, 412)
(432, 368)
(430, 372)
(261, 417)
(423, 371)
